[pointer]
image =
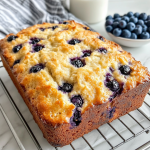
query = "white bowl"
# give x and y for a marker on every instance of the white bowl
(129, 42)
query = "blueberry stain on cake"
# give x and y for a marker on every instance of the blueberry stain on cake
(111, 112)
(102, 50)
(111, 69)
(116, 93)
(66, 88)
(11, 38)
(16, 62)
(77, 62)
(36, 68)
(77, 100)
(17, 48)
(34, 40)
(125, 69)
(37, 47)
(75, 120)
(74, 41)
(86, 53)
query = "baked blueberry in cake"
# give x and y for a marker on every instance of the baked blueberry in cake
(11, 38)
(102, 50)
(34, 40)
(74, 41)
(16, 48)
(36, 68)
(77, 62)
(75, 120)
(125, 69)
(72, 79)
(16, 62)
(86, 53)
(37, 47)
(66, 87)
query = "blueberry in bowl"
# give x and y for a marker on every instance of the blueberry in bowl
(126, 18)
(122, 24)
(117, 32)
(109, 22)
(133, 19)
(130, 14)
(126, 33)
(109, 28)
(131, 29)
(130, 26)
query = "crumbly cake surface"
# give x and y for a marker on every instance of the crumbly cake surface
(50, 47)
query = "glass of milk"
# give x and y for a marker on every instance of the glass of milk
(91, 11)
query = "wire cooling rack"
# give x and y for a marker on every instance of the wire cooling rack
(72, 147)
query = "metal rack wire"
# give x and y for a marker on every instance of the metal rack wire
(107, 140)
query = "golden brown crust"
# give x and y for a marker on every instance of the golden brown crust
(88, 81)
(60, 135)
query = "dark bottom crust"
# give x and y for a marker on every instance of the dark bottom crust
(92, 118)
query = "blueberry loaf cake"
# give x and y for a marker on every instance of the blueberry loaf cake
(72, 79)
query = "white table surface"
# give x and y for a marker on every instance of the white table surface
(7, 140)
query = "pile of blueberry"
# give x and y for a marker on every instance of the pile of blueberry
(131, 25)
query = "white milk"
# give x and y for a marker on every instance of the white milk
(91, 11)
